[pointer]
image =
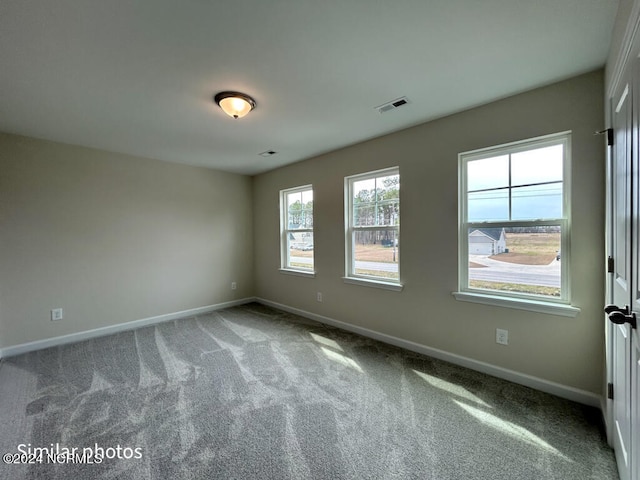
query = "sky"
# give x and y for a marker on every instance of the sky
(528, 200)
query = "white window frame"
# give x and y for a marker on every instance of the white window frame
(538, 303)
(350, 229)
(285, 251)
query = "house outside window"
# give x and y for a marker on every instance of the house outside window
(514, 221)
(296, 229)
(487, 241)
(372, 228)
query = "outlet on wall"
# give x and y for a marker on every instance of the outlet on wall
(234, 285)
(502, 336)
(56, 314)
(319, 296)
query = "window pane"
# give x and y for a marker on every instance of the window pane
(517, 259)
(537, 166)
(376, 254)
(300, 210)
(388, 197)
(364, 190)
(388, 182)
(491, 205)
(488, 173)
(376, 201)
(536, 202)
(300, 248)
(364, 214)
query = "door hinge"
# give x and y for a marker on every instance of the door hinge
(610, 391)
(610, 264)
(609, 132)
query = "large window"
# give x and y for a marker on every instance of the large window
(372, 218)
(296, 229)
(514, 220)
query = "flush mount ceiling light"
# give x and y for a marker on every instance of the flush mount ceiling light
(235, 104)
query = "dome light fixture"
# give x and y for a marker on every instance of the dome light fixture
(235, 104)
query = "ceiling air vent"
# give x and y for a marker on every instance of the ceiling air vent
(392, 105)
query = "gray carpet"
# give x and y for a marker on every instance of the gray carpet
(255, 393)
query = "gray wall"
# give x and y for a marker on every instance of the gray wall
(113, 238)
(559, 349)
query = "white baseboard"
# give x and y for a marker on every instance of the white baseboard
(563, 391)
(606, 406)
(120, 327)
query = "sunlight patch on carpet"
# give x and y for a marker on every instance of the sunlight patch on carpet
(510, 429)
(451, 388)
(326, 341)
(338, 357)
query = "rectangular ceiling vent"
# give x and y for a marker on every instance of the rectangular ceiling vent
(392, 105)
(268, 153)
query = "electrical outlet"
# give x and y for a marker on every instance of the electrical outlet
(502, 336)
(56, 314)
(234, 285)
(319, 296)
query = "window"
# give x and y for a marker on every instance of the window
(514, 221)
(296, 229)
(372, 218)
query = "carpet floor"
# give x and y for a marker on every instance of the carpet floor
(251, 392)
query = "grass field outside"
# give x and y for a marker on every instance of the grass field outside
(376, 253)
(301, 253)
(377, 273)
(365, 253)
(530, 248)
(307, 266)
(516, 288)
(526, 249)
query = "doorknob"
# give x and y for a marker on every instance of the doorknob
(609, 309)
(620, 318)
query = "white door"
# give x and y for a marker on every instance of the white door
(626, 286)
(621, 253)
(633, 359)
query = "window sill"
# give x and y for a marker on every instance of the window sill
(298, 273)
(365, 282)
(519, 303)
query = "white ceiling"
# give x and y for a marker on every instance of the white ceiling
(138, 77)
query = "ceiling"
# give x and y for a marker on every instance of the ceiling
(138, 77)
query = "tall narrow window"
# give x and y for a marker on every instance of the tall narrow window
(372, 202)
(296, 229)
(514, 220)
